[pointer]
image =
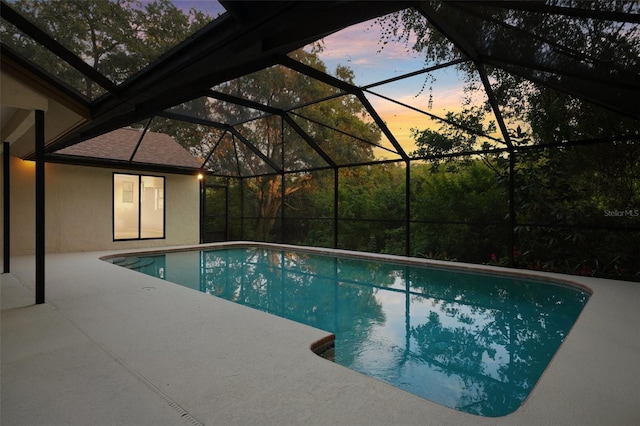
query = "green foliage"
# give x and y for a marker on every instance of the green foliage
(458, 214)
(562, 202)
(282, 87)
(459, 134)
(371, 208)
(116, 37)
(561, 194)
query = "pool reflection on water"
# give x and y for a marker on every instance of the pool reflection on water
(474, 342)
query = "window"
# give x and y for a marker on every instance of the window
(138, 207)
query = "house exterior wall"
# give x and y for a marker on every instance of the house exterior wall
(79, 209)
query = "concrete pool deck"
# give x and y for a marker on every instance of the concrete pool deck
(115, 347)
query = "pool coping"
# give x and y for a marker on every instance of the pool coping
(594, 378)
(440, 264)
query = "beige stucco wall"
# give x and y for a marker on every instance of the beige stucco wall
(79, 209)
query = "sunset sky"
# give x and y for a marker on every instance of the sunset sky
(358, 47)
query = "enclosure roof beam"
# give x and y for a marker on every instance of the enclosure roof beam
(210, 154)
(274, 111)
(309, 140)
(437, 117)
(349, 88)
(593, 81)
(242, 102)
(248, 39)
(193, 120)
(54, 46)
(26, 72)
(625, 104)
(541, 7)
(415, 73)
(382, 125)
(222, 126)
(316, 74)
(493, 101)
(564, 49)
(255, 150)
(449, 30)
(326, 126)
(144, 132)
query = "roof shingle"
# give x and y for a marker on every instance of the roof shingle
(156, 148)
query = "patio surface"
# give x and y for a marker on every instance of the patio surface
(115, 347)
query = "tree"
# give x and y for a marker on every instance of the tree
(372, 208)
(454, 137)
(116, 37)
(120, 37)
(560, 193)
(282, 142)
(458, 213)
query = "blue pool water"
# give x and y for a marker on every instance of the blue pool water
(474, 342)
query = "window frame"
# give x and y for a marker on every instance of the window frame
(139, 177)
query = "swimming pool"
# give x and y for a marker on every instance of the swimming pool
(474, 342)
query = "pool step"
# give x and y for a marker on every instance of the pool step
(132, 262)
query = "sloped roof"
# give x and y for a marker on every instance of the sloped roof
(120, 144)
